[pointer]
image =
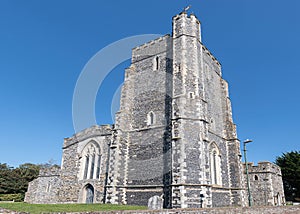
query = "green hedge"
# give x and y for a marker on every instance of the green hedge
(12, 197)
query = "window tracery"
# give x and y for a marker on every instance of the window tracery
(91, 161)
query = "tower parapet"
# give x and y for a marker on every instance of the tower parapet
(184, 24)
(264, 167)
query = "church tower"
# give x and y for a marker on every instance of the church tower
(174, 136)
(206, 169)
(174, 139)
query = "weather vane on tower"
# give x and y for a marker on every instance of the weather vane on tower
(185, 9)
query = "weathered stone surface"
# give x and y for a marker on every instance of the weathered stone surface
(266, 184)
(65, 184)
(44, 189)
(155, 203)
(174, 136)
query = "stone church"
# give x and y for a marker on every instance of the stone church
(173, 137)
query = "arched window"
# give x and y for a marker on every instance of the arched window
(156, 63)
(256, 178)
(215, 164)
(90, 163)
(150, 118)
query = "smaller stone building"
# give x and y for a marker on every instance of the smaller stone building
(265, 184)
(82, 178)
(45, 188)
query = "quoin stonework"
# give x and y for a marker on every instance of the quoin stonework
(173, 137)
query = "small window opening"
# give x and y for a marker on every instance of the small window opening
(256, 177)
(151, 118)
(157, 63)
(48, 187)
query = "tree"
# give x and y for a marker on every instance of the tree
(7, 179)
(15, 180)
(26, 172)
(290, 168)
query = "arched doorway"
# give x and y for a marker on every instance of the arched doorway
(89, 194)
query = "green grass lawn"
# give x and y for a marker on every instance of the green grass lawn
(46, 208)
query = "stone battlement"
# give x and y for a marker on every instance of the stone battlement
(192, 17)
(264, 167)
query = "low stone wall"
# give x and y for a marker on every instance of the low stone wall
(227, 210)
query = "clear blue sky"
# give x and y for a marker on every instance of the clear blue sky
(44, 46)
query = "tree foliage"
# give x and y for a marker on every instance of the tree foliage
(15, 180)
(290, 168)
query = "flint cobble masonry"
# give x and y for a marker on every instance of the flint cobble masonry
(173, 137)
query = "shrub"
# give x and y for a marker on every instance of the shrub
(12, 197)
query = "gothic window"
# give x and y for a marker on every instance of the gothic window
(215, 164)
(156, 63)
(150, 118)
(90, 163)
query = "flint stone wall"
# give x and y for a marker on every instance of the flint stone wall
(227, 210)
(266, 184)
(44, 189)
